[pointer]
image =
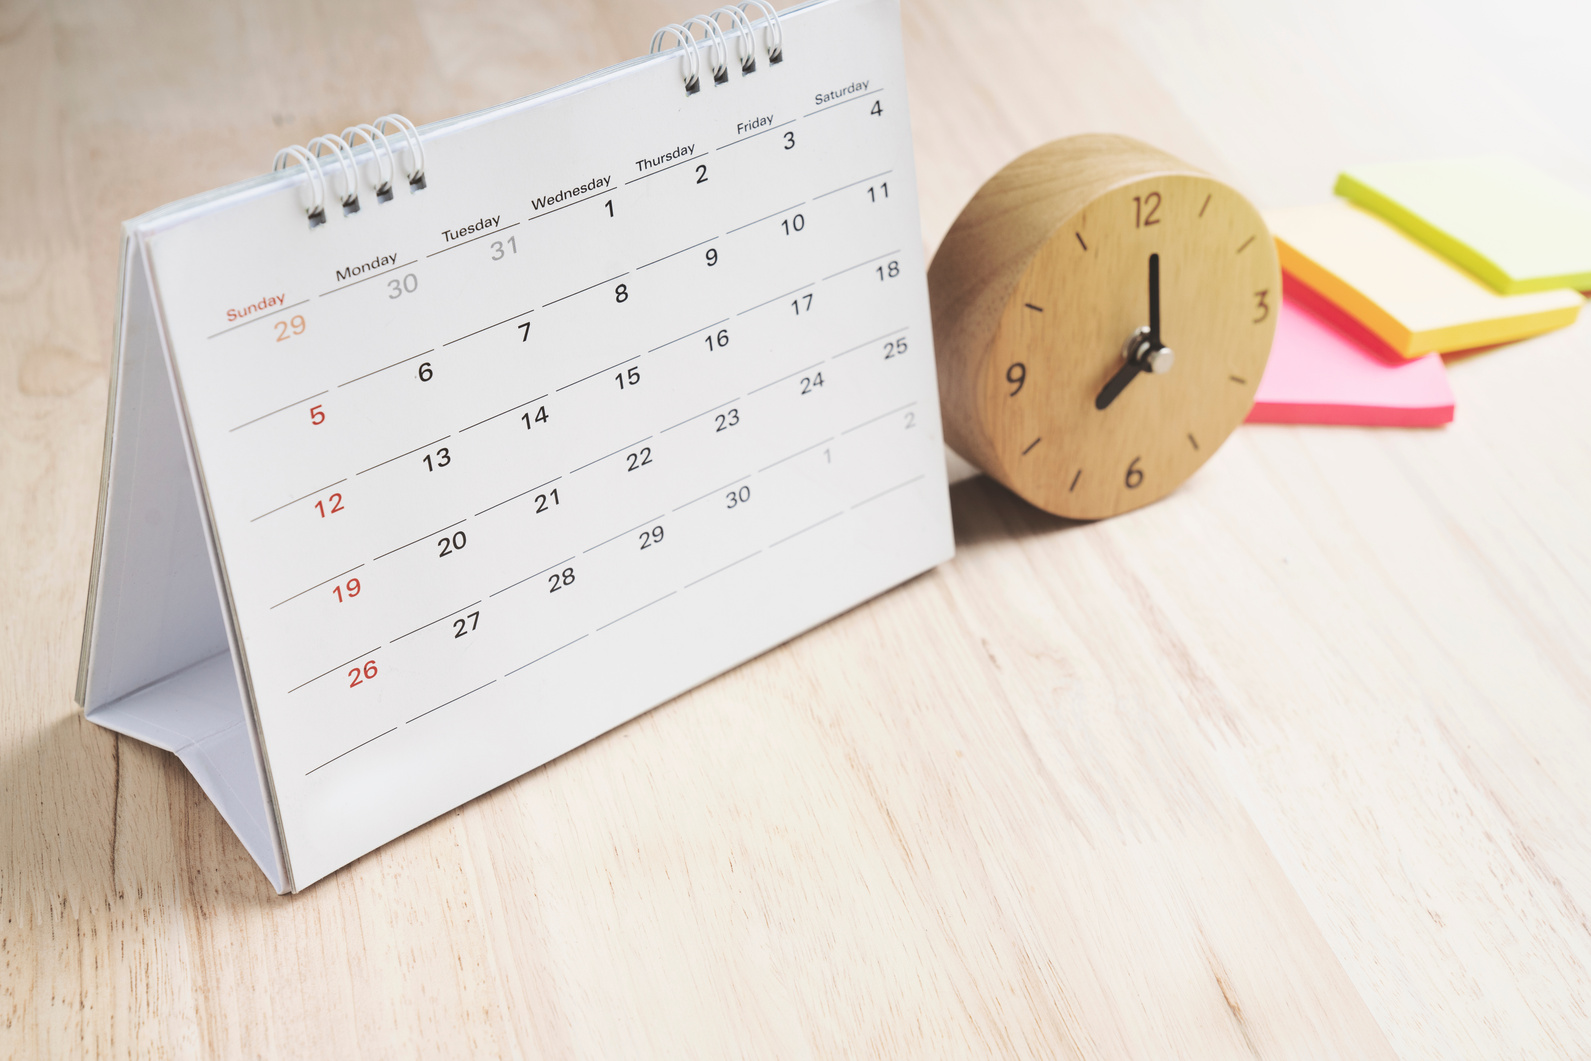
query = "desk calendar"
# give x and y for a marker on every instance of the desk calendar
(439, 452)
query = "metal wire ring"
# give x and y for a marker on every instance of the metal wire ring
(411, 136)
(316, 211)
(745, 39)
(380, 150)
(345, 160)
(715, 37)
(774, 36)
(693, 82)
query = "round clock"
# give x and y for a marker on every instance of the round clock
(1102, 314)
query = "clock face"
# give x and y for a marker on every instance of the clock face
(1083, 431)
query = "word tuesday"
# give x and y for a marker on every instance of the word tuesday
(451, 234)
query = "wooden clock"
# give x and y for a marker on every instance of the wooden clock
(1102, 314)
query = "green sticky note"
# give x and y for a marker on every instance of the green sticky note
(1507, 222)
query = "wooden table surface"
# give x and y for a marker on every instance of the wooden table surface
(1295, 763)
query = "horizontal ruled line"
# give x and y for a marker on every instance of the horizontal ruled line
(642, 608)
(796, 454)
(781, 379)
(544, 655)
(433, 622)
(400, 456)
(363, 655)
(877, 418)
(682, 250)
(665, 169)
(760, 132)
(870, 342)
(526, 579)
(317, 585)
(296, 500)
(687, 335)
(760, 220)
(362, 279)
(803, 530)
(598, 372)
(622, 533)
(721, 570)
(841, 103)
(455, 700)
(882, 493)
(853, 184)
(418, 540)
(472, 239)
(489, 327)
(355, 748)
(858, 265)
(273, 412)
(713, 491)
(583, 290)
(263, 316)
(395, 364)
(592, 198)
(519, 495)
(615, 453)
(776, 298)
(698, 416)
(505, 412)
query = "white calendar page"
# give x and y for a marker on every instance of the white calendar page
(639, 386)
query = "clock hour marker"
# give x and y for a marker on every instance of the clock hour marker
(1079, 236)
(1238, 379)
(1193, 440)
(1246, 242)
(1076, 477)
(1206, 203)
(1035, 442)
(1031, 306)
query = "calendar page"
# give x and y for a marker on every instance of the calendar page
(639, 385)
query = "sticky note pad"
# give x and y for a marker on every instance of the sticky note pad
(1327, 368)
(1507, 222)
(1417, 301)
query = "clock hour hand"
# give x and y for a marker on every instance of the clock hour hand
(1143, 350)
(1118, 383)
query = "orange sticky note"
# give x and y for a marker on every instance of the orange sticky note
(1417, 301)
(1327, 368)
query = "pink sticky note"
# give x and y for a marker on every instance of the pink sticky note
(1327, 368)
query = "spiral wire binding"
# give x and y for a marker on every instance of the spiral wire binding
(381, 151)
(713, 35)
(316, 210)
(773, 36)
(745, 39)
(316, 158)
(411, 135)
(693, 61)
(345, 161)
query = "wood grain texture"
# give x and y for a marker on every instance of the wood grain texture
(1290, 764)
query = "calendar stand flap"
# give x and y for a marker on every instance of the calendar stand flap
(198, 714)
(156, 661)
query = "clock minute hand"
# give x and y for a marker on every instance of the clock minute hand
(1154, 302)
(1143, 350)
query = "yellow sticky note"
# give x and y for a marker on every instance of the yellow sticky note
(1507, 222)
(1412, 297)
